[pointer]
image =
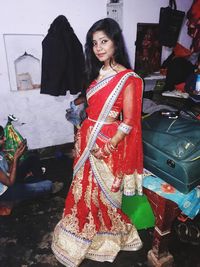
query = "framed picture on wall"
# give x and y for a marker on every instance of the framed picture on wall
(24, 53)
(148, 49)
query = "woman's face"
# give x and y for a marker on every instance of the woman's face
(103, 47)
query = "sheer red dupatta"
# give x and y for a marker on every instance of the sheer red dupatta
(133, 149)
(128, 168)
(108, 103)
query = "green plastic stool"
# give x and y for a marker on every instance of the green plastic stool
(139, 211)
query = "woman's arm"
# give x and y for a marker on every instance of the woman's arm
(9, 178)
(129, 120)
(128, 115)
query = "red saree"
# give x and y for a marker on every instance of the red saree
(93, 225)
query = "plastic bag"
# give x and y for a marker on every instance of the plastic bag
(13, 139)
(139, 211)
(76, 114)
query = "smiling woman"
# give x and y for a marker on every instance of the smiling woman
(103, 47)
(92, 218)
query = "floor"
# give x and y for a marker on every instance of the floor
(26, 234)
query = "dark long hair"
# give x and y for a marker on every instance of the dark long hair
(112, 29)
(1, 135)
(1, 131)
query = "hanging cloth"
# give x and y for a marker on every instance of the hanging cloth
(193, 16)
(62, 60)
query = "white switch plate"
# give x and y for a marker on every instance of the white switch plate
(115, 11)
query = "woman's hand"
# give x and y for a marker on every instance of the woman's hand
(98, 153)
(104, 152)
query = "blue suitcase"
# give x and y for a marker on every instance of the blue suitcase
(172, 150)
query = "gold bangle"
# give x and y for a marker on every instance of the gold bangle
(112, 147)
(109, 148)
(106, 149)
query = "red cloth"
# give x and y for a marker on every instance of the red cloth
(180, 87)
(93, 225)
(193, 16)
(129, 155)
(194, 11)
(181, 51)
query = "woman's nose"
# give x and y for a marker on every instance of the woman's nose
(99, 47)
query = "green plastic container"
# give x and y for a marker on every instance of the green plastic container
(139, 211)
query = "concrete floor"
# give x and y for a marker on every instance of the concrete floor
(25, 235)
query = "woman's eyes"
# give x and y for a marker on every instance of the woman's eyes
(102, 42)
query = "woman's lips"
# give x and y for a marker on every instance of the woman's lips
(101, 55)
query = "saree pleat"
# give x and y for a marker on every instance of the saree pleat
(93, 225)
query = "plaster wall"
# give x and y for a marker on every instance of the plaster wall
(42, 117)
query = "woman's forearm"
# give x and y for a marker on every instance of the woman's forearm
(128, 122)
(117, 138)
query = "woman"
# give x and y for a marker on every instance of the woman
(108, 156)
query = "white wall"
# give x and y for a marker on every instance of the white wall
(44, 115)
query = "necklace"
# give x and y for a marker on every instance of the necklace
(105, 73)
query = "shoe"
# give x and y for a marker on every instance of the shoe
(175, 93)
(56, 187)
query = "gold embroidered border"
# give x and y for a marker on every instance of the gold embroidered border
(133, 184)
(105, 179)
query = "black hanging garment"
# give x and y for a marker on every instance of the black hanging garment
(170, 23)
(62, 60)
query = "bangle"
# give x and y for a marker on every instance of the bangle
(125, 128)
(106, 149)
(109, 148)
(103, 153)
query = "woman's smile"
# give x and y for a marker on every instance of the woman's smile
(103, 47)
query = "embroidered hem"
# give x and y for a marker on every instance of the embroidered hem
(70, 250)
